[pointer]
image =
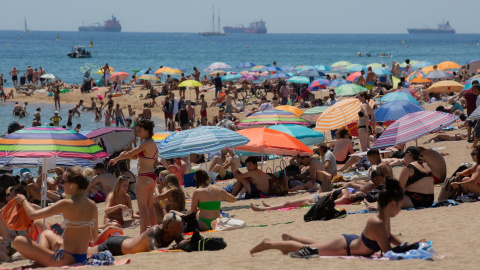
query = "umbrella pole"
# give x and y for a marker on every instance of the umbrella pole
(43, 202)
(261, 164)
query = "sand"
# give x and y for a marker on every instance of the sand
(452, 229)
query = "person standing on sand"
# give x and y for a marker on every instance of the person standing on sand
(182, 89)
(30, 74)
(196, 76)
(41, 72)
(217, 81)
(370, 80)
(14, 74)
(106, 72)
(203, 110)
(167, 110)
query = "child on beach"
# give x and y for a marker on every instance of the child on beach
(108, 115)
(69, 121)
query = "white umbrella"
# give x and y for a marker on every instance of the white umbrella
(48, 76)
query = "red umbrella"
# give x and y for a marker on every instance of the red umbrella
(354, 76)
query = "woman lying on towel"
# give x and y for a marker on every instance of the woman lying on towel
(80, 220)
(375, 236)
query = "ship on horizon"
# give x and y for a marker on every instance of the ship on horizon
(257, 27)
(443, 28)
(110, 25)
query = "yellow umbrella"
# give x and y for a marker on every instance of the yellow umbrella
(445, 87)
(219, 72)
(190, 83)
(101, 72)
(291, 109)
(340, 114)
(375, 65)
(448, 65)
(428, 69)
(341, 64)
(174, 72)
(163, 70)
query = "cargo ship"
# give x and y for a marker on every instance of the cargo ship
(257, 27)
(443, 28)
(111, 25)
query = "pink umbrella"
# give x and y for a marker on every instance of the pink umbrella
(120, 76)
(354, 76)
(249, 78)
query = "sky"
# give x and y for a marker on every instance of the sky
(281, 16)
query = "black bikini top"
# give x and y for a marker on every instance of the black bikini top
(417, 175)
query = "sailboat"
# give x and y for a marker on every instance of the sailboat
(58, 37)
(213, 33)
(26, 28)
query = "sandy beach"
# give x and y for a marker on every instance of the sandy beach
(452, 229)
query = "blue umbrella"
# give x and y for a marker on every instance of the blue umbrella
(422, 64)
(392, 111)
(398, 96)
(287, 68)
(381, 72)
(302, 68)
(270, 68)
(280, 75)
(231, 77)
(18, 162)
(141, 72)
(337, 82)
(316, 83)
(438, 74)
(299, 79)
(311, 73)
(356, 68)
(321, 68)
(246, 65)
(199, 140)
(306, 135)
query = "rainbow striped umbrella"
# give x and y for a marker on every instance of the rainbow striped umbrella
(159, 137)
(340, 114)
(272, 117)
(413, 126)
(312, 114)
(46, 142)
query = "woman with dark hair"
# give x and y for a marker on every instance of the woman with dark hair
(147, 154)
(471, 176)
(375, 236)
(80, 221)
(173, 197)
(207, 199)
(417, 180)
(363, 122)
(327, 158)
(132, 183)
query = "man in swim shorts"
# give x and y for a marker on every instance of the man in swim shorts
(254, 181)
(102, 184)
(14, 74)
(370, 79)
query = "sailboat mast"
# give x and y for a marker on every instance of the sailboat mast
(213, 18)
(218, 16)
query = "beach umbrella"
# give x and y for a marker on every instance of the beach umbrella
(356, 68)
(292, 109)
(419, 79)
(120, 76)
(272, 117)
(341, 64)
(311, 115)
(218, 65)
(349, 89)
(245, 65)
(254, 73)
(394, 110)
(136, 70)
(159, 137)
(438, 74)
(49, 76)
(217, 72)
(112, 139)
(149, 77)
(299, 79)
(270, 69)
(381, 71)
(354, 76)
(205, 139)
(340, 114)
(231, 77)
(422, 64)
(249, 78)
(304, 134)
(287, 68)
(190, 83)
(310, 73)
(279, 75)
(413, 126)
(473, 66)
(337, 83)
(318, 83)
(398, 96)
(173, 72)
(163, 70)
(257, 68)
(374, 65)
(445, 87)
(448, 65)
(10, 163)
(408, 91)
(428, 69)
(269, 141)
(321, 68)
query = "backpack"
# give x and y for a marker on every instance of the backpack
(324, 209)
(200, 243)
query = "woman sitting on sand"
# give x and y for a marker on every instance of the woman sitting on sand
(117, 202)
(342, 147)
(132, 182)
(375, 236)
(80, 220)
(207, 199)
(471, 175)
(417, 180)
(172, 197)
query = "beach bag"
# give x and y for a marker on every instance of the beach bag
(372, 195)
(324, 209)
(200, 243)
(447, 191)
(292, 170)
(190, 223)
(228, 224)
(277, 184)
(15, 217)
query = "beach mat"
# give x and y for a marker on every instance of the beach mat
(72, 266)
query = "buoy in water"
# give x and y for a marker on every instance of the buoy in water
(8, 44)
(18, 38)
(91, 44)
(145, 40)
(403, 42)
(248, 46)
(359, 54)
(58, 38)
(310, 42)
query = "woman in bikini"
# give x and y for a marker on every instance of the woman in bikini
(117, 202)
(207, 199)
(363, 122)
(147, 154)
(417, 180)
(170, 198)
(375, 236)
(80, 221)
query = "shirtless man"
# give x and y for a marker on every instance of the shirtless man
(373, 156)
(101, 184)
(254, 181)
(35, 76)
(147, 113)
(24, 110)
(29, 74)
(14, 74)
(156, 237)
(221, 164)
(370, 79)
(471, 176)
(361, 79)
(196, 76)
(315, 173)
(41, 72)
(17, 109)
(118, 114)
(229, 99)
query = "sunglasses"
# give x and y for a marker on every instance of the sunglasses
(173, 217)
(473, 154)
(64, 182)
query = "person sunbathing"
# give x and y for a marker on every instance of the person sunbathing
(447, 137)
(375, 236)
(80, 220)
(156, 237)
(118, 204)
(471, 176)
(170, 198)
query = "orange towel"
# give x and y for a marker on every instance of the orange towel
(15, 217)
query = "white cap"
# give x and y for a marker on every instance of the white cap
(26, 176)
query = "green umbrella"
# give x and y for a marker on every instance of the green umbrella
(149, 77)
(136, 70)
(349, 89)
(190, 83)
(299, 79)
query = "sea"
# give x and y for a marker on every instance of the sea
(129, 51)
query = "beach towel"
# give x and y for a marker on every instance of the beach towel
(72, 266)
(228, 224)
(15, 217)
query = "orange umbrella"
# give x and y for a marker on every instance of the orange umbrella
(164, 70)
(445, 87)
(298, 112)
(448, 65)
(428, 69)
(340, 114)
(269, 141)
(420, 79)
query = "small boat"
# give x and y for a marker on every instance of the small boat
(213, 33)
(58, 37)
(79, 52)
(91, 43)
(26, 28)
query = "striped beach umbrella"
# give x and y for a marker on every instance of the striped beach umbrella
(311, 115)
(317, 83)
(340, 114)
(299, 79)
(298, 112)
(47, 142)
(159, 137)
(205, 139)
(149, 77)
(306, 135)
(413, 126)
(272, 117)
(349, 89)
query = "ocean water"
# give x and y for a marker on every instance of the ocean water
(127, 51)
